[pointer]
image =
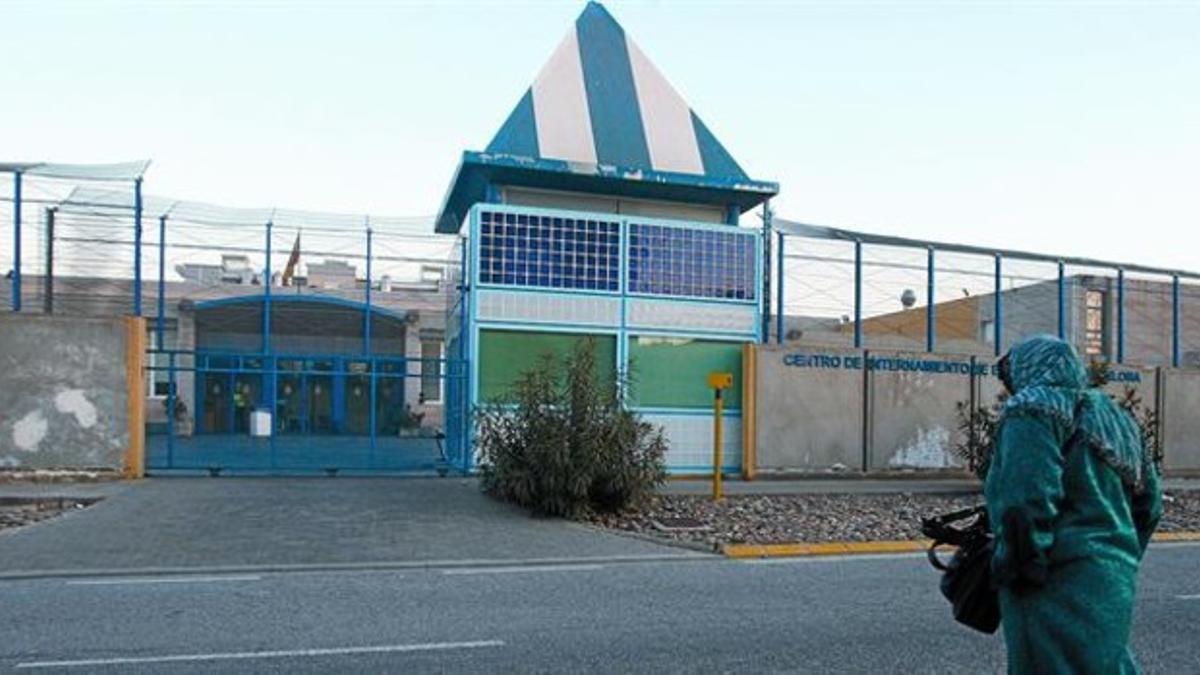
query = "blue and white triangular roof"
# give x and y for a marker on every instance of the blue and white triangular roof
(600, 111)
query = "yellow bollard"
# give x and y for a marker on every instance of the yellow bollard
(719, 382)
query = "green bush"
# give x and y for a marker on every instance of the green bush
(562, 442)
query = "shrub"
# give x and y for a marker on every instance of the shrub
(979, 426)
(563, 443)
(978, 433)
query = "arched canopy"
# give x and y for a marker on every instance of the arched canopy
(299, 324)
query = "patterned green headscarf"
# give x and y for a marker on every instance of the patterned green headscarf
(1049, 378)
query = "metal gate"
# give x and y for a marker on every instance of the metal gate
(248, 413)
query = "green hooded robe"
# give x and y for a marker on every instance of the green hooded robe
(1073, 499)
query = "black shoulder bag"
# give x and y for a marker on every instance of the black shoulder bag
(967, 577)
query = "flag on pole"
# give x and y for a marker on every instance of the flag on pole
(290, 270)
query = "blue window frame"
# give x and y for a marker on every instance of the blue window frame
(698, 263)
(547, 251)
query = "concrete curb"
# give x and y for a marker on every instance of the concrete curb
(807, 550)
(382, 566)
(696, 546)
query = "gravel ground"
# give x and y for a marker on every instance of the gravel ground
(763, 519)
(19, 515)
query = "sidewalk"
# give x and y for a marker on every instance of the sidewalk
(186, 524)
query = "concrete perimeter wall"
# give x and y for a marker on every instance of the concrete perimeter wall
(64, 393)
(808, 418)
(821, 409)
(1180, 418)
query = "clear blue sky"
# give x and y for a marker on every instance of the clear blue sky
(1065, 127)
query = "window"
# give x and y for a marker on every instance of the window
(670, 372)
(691, 262)
(504, 356)
(1093, 340)
(549, 251)
(431, 371)
(158, 377)
(987, 330)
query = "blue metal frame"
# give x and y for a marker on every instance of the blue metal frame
(623, 223)
(230, 367)
(998, 319)
(623, 320)
(931, 305)
(16, 277)
(1121, 315)
(137, 247)
(480, 170)
(621, 330)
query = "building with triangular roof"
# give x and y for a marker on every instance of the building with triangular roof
(605, 208)
(601, 119)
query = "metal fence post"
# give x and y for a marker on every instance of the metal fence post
(930, 304)
(998, 319)
(1062, 300)
(367, 306)
(269, 372)
(779, 314)
(372, 364)
(48, 283)
(16, 270)
(171, 398)
(137, 247)
(1121, 315)
(766, 269)
(466, 339)
(1176, 315)
(159, 322)
(266, 320)
(858, 281)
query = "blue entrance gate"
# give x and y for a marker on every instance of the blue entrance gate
(250, 413)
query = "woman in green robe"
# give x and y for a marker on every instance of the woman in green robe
(1073, 498)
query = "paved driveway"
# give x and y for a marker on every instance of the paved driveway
(282, 523)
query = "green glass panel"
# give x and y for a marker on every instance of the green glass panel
(505, 355)
(669, 372)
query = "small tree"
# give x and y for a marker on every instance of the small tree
(563, 443)
(977, 429)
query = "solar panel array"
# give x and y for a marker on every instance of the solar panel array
(549, 251)
(689, 262)
(562, 252)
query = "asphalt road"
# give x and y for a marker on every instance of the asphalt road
(825, 615)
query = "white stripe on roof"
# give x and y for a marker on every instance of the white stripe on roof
(560, 107)
(666, 118)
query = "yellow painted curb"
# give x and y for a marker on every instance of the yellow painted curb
(819, 549)
(801, 549)
(1176, 536)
